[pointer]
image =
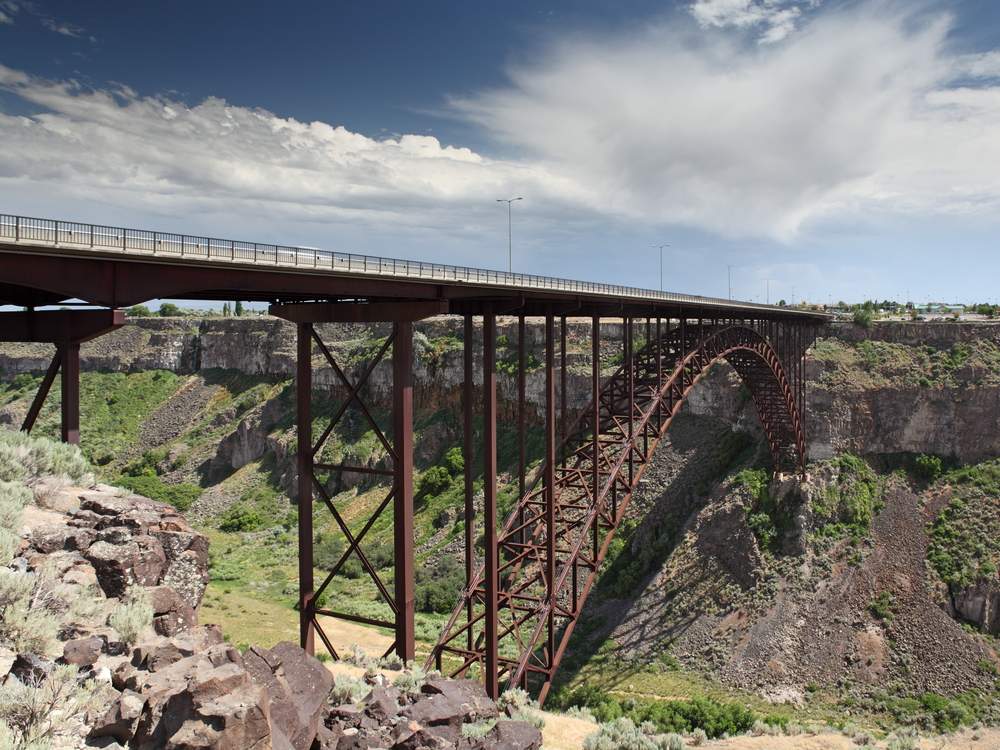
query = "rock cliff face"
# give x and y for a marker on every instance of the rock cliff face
(954, 419)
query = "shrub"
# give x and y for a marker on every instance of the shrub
(133, 615)
(927, 467)
(32, 609)
(454, 461)
(863, 317)
(23, 458)
(169, 310)
(240, 517)
(13, 497)
(851, 502)
(43, 713)
(437, 589)
(903, 739)
(434, 481)
(881, 606)
(714, 717)
(623, 734)
(139, 311)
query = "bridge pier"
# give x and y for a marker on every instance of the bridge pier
(313, 468)
(66, 329)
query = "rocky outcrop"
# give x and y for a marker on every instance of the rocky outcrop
(980, 605)
(431, 718)
(121, 539)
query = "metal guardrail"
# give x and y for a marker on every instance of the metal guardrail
(76, 235)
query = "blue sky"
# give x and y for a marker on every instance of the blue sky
(838, 149)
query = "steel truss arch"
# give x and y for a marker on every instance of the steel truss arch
(552, 544)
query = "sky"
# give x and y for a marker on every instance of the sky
(821, 150)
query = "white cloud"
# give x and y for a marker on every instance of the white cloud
(777, 18)
(136, 151)
(851, 114)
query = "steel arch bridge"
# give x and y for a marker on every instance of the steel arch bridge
(551, 546)
(522, 599)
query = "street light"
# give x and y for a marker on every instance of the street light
(665, 244)
(510, 257)
(729, 274)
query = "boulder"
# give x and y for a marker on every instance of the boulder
(298, 686)
(436, 710)
(121, 718)
(83, 651)
(469, 695)
(113, 564)
(515, 735)
(207, 700)
(171, 614)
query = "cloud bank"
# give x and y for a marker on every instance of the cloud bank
(854, 114)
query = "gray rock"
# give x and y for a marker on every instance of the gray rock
(83, 651)
(298, 686)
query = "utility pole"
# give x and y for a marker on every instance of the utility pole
(729, 273)
(510, 255)
(665, 244)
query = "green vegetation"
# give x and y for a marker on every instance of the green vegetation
(180, 495)
(927, 467)
(882, 605)
(437, 588)
(872, 363)
(863, 317)
(851, 501)
(965, 536)
(113, 406)
(767, 518)
(714, 717)
(934, 712)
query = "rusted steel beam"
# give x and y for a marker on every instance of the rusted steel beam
(563, 395)
(42, 393)
(595, 426)
(69, 358)
(353, 312)
(304, 482)
(52, 326)
(550, 472)
(490, 504)
(469, 461)
(402, 417)
(522, 366)
(116, 282)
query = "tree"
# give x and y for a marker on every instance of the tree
(225, 309)
(781, 303)
(169, 310)
(139, 311)
(238, 311)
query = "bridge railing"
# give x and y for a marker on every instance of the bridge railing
(29, 230)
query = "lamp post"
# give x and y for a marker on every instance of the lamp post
(665, 244)
(729, 274)
(510, 256)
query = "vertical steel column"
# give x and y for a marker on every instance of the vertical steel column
(629, 334)
(659, 372)
(469, 460)
(402, 436)
(304, 462)
(490, 500)
(562, 376)
(595, 394)
(522, 458)
(550, 479)
(69, 354)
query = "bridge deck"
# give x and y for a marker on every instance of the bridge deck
(51, 237)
